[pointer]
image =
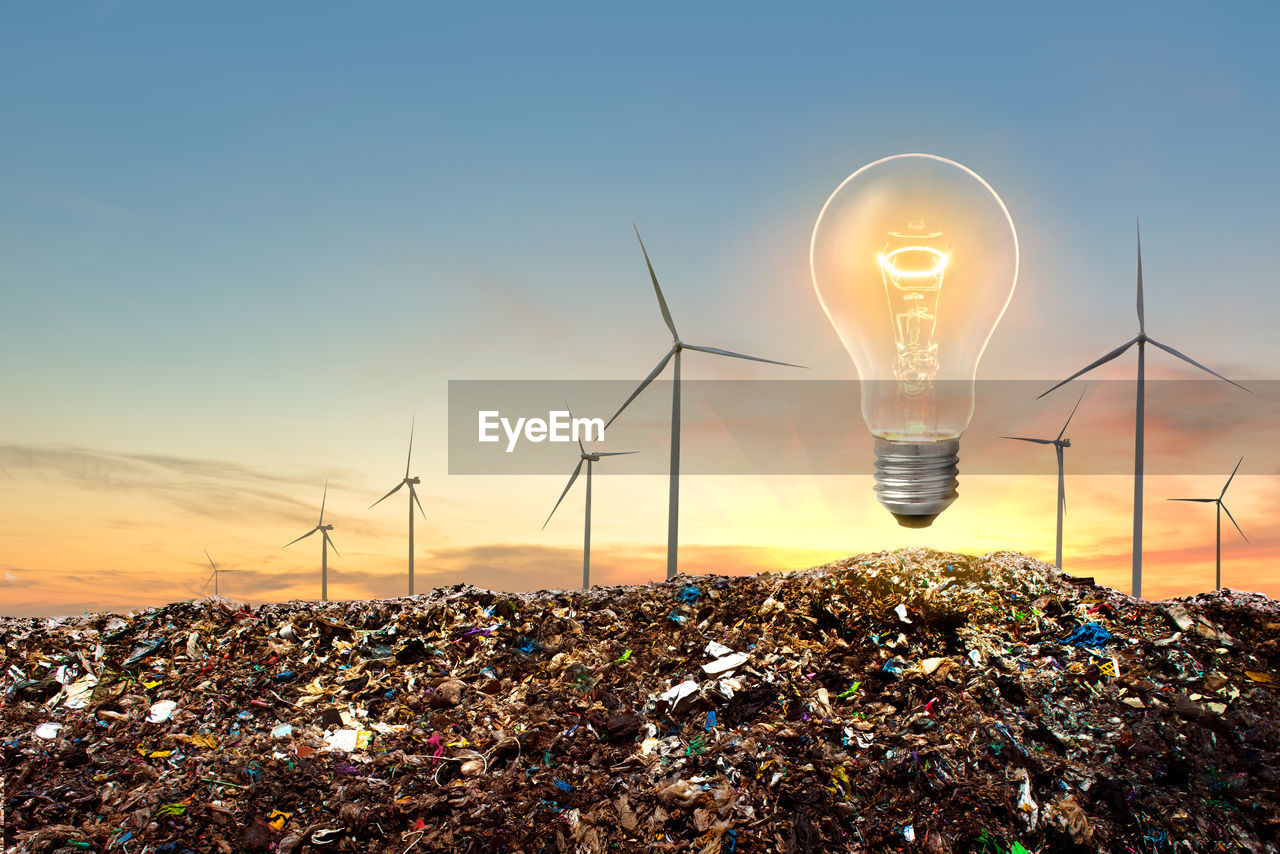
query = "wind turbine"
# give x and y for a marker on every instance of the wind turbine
(1142, 339)
(324, 547)
(1221, 507)
(587, 458)
(1058, 444)
(213, 576)
(677, 346)
(413, 497)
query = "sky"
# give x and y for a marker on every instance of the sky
(243, 245)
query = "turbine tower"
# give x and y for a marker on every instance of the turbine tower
(587, 458)
(1058, 444)
(213, 576)
(1141, 339)
(413, 498)
(677, 346)
(1221, 507)
(324, 547)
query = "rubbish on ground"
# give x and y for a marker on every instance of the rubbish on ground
(161, 711)
(1093, 635)
(48, 731)
(903, 701)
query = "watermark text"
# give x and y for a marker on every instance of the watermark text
(558, 426)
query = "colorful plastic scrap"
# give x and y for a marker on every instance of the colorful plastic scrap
(1093, 635)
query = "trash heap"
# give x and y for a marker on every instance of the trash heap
(899, 701)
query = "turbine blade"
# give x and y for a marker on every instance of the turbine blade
(1073, 412)
(303, 537)
(1191, 361)
(215, 566)
(1142, 316)
(645, 384)
(615, 453)
(581, 448)
(1025, 439)
(1197, 500)
(412, 419)
(388, 495)
(1089, 367)
(740, 356)
(413, 493)
(572, 478)
(1233, 521)
(1233, 474)
(323, 498)
(662, 302)
(331, 545)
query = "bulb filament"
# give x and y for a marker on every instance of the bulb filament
(913, 285)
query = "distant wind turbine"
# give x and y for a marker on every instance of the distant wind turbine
(587, 458)
(214, 575)
(1142, 339)
(324, 547)
(1221, 507)
(1058, 444)
(413, 498)
(673, 503)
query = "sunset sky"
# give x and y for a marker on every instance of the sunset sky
(242, 244)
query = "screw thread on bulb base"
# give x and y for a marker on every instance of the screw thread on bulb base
(916, 481)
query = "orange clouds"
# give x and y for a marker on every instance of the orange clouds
(92, 530)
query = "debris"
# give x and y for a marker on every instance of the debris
(161, 711)
(717, 650)
(911, 700)
(1090, 635)
(689, 594)
(1178, 615)
(726, 664)
(80, 692)
(771, 606)
(48, 731)
(347, 740)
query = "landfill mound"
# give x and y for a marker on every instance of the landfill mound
(898, 701)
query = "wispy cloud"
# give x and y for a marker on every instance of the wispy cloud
(208, 487)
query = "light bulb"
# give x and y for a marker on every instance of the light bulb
(914, 259)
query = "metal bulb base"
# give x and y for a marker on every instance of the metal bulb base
(916, 481)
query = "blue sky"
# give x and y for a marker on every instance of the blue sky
(265, 233)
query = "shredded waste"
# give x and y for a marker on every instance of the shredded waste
(897, 701)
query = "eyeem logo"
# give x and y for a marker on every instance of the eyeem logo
(558, 426)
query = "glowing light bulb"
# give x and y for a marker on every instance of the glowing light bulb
(914, 259)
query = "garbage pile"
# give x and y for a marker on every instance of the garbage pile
(910, 701)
